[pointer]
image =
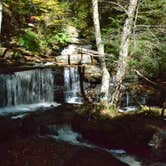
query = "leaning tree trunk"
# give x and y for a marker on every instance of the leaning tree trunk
(123, 53)
(0, 15)
(104, 93)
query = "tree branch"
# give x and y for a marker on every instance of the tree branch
(114, 3)
(93, 52)
(145, 78)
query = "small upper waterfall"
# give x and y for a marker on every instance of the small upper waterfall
(72, 88)
(127, 98)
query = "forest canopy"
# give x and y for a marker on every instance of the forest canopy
(146, 51)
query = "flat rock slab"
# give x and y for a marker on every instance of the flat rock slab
(74, 59)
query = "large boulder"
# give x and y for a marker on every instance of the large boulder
(73, 32)
(42, 152)
(2, 50)
(159, 140)
(69, 50)
(71, 55)
(92, 73)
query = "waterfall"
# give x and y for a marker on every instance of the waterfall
(27, 87)
(72, 90)
(127, 98)
(65, 133)
(39, 88)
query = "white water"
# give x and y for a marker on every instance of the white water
(72, 88)
(27, 91)
(32, 90)
(19, 116)
(128, 106)
(71, 49)
(66, 134)
(27, 87)
(28, 107)
(128, 109)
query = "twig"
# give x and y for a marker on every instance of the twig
(142, 76)
(114, 3)
(151, 26)
(93, 53)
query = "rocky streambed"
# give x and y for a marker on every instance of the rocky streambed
(25, 140)
(42, 138)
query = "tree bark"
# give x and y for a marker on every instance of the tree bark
(0, 15)
(123, 53)
(104, 93)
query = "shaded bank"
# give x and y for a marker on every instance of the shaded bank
(130, 131)
(23, 141)
(43, 152)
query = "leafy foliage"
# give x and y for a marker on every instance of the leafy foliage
(45, 31)
(59, 38)
(29, 40)
(147, 48)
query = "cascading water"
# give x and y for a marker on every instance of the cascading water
(39, 88)
(26, 88)
(128, 103)
(72, 85)
(65, 133)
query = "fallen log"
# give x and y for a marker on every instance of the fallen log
(93, 52)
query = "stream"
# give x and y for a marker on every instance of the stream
(38, 89)
(66, 134)
(44, 89)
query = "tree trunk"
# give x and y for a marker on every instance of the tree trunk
(104, 93)
(0, 15)
(123, 53)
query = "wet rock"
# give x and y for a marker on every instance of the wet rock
(8, 129)
(159, 140)
(92, 73)
(70, 50)
(2, 50)
(44, 130)
(158, 144)
(129, 131)
(46, 152)
(28, 126)
(73, 32)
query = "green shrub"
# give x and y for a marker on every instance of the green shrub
(59, 38)
(29, 40)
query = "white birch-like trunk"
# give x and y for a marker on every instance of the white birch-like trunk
(0, 15)
(100, 47)
(123, 54)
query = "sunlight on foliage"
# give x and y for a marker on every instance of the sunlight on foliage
(48, 11)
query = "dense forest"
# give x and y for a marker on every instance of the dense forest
(38, 28)
(123, 40)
